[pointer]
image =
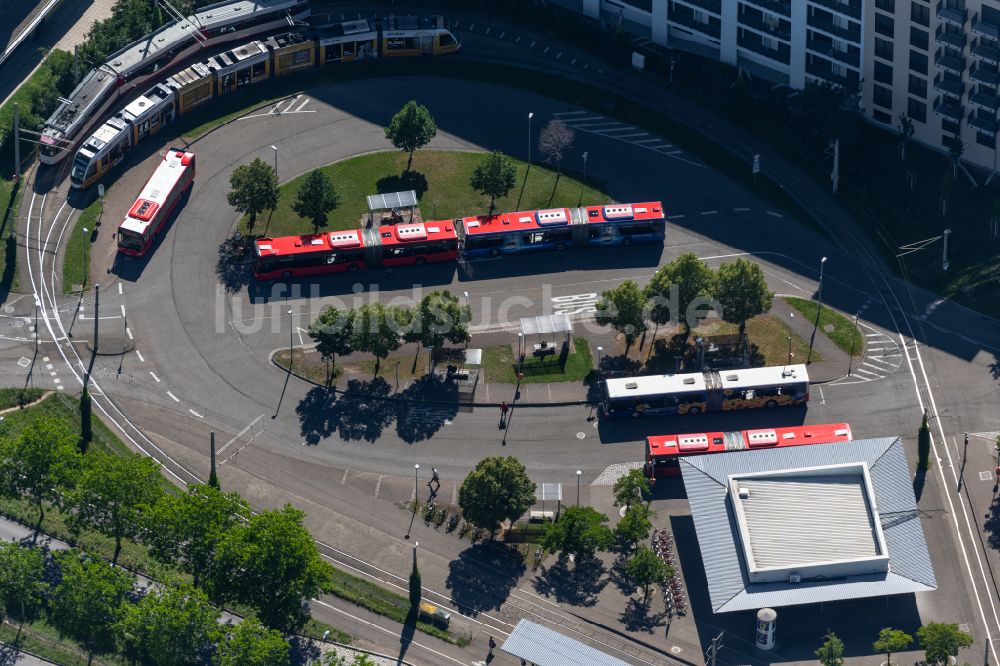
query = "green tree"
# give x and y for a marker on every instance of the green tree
(39, 463)
(250, 643)
(189, 527)
(498, 489)
(316, 198)
(742, 293)
(940, 640)
(437, 318)
(647, 568)
(253, 189)
(891, 640)
(494, 177)
(580, 531)
(692, 279)
(89, 599)
(171, 626)
(86, 423)
(923, 444)
(415, 587)
(113, 494)
(635, 524)
(333, 333)
(831, 652)
(359, 659)
(271, 565)
(554, 140)
(377, 329)
(956, 148)
(22, 577)
(411, 128)
(630, 487)
(622, 308)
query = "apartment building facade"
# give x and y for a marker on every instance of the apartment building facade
(936, 61)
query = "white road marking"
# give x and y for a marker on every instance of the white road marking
(502, 34)
(740, 210)
(709, 212)
(546, 49)
(119, 288)
(49, 366)
(196, 414)
(154, 376)
(176, 399)
(774, 214)
(139, 354)
(128, 332)
(675, 217)
(532, 45)
(573, 61)
(822, 398)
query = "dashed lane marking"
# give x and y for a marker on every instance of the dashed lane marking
(774, 214)
(128, 331)
(532, 45)
(675, 217)
(546, 49)
(119, 288)
(176, 399)
(573, 61)
(709, 212)
(153, 374)
(139, 354)
(196, 414)
(740, 210)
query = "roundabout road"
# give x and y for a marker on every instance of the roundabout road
(200, 361)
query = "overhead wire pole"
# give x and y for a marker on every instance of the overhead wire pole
(17, 143)
(713, 649)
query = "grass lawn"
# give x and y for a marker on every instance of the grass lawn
(845, 334)
(310, 365)
(41, 638)
(500, 365)
(10, 199)
(379, 600)
(13, 397)
(441, 180)
(315, 629)
(769, 335)
(76, 259)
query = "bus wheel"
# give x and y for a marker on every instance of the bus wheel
(420, 261)
(627, 241)
(352, 268)
(287, 275)
(636, 415)
(560, 246)
(494, 252)
(693, 410)
(770, 403)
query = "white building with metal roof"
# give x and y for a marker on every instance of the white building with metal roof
(807, 524)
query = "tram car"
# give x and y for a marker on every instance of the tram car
(148, 58)
(258, 60)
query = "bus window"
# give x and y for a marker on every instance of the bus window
(483, 242)
(349, 49)
(332, 52)
(446, 40)
(258, 69)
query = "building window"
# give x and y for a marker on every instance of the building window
(644, 5)
(918, 62)
(916, 110)
(884, 25)
(883, 73)
(886, 5)
(985, 140)
(920, 14)
(883, 48)
(918, 86)
(919, 38)
(882, 117)
(951, 128)
(882, 96)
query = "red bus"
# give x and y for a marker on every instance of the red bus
(338, 251)
(157, 200)
(664, 451)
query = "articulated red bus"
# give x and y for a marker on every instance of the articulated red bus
(156, 201)
(339, 251)
(663, 452)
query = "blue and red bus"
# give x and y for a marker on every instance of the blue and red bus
(147, 216)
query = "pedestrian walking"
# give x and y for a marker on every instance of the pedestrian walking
(493, 644)
(503, 412)
(435, 480)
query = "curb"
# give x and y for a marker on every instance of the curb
(443, 403)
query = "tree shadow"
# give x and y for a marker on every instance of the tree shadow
(992, 523)
(636, 617)
(578, 585)
(304, 650)
(617, 575)
(406, 636)
(417, 420)
(919, 479)
(408, 180)
(315, 412)
(483, 576)
(233, 264)
(994, 367)
(363, 411)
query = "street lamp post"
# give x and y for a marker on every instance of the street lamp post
(578, 473)
(819, 307)
(530, 115)
(291, 342)
(520, 351)
(599, 350)
(275, 149)
(850, 359)
(83, 253)
(416, 471)
(789, 362)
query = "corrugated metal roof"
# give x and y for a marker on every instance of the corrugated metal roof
(390, 200)
(545, 647)
(705, 480)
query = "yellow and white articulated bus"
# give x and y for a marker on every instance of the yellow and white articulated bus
(255, 61)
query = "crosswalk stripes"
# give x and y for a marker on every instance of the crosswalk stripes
(590, 123)
(882, 357)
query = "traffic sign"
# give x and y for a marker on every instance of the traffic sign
(756, 163)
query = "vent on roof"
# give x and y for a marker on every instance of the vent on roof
(524, 220)
(840, 432)
(344, 239)
(618, 212)
(552, 216)
(472, 225)
(794, 578)
(433, 230)
(744, 493)
(689, 380)
(641, 209)
(788, 372)
(732, 378)
(631, 385)
(264, 246)
(407, 232)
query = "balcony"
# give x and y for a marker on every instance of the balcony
(955, 17)
(956, 40)
(985, 100)
(953, 112)
(825, 72)
(985, 28)
(950, 86)
(981, 74)
(846, 57)
(852, 9)
(758, 23)
(782, 55)
(713, 6)
(985, 122)
(950, 63)
(782, 7)
(983, 49)
(690, 22)
(820, 22)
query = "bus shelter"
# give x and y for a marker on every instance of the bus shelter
(548, 329)
(397, 203)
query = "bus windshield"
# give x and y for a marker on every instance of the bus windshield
(129, 240)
